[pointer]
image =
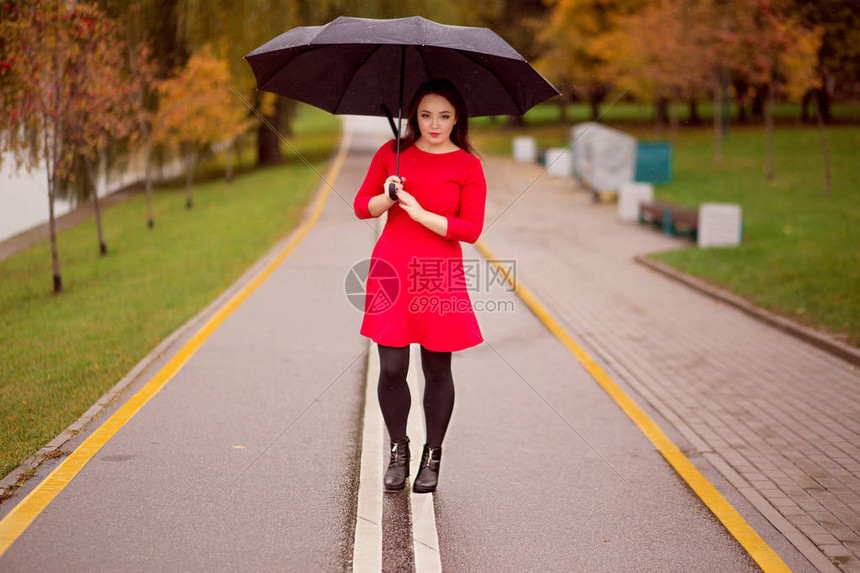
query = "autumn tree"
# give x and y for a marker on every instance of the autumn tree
(839, 53)
(196, 108)
(141, 78)
(100, 111)
(571, 54)
(776, 52)
(661, 52)
(43, 58)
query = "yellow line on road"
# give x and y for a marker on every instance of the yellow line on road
(758, 549)
(23, 514)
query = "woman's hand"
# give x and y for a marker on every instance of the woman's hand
(433, 221)
(398, 185)
(409, 204)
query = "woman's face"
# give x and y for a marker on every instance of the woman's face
(436, 119)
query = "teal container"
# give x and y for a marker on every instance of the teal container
(653, 161)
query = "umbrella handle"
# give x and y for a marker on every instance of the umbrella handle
(391, 192)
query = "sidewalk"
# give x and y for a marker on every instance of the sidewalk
(779, 418)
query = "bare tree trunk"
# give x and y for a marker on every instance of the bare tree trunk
(756, 109)
(52, 226)
(827, 112)
(768, 121)
(102, 244)
(50, 153)
(594, 99)
(673, 120)
(107, 192)
(93, 173)
(147, 162)
(562, 109)
(743, 118)
(694, 113)
(824, 150)
(147, 146)
(287, 109)
(804, 105)
(268, 152)
(189, 172)
(741, 96)
(53, 151)
(660, 116)
(268, 142)
(718, 120)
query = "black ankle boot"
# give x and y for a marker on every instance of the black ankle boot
(428, 474)
(398, 466)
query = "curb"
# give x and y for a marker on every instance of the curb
(53, 448)
(816, 338)
(50, 449)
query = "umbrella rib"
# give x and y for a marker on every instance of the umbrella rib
(466, 53)
(423, 61)
(352, 76)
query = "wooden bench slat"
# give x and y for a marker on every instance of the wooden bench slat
(675, 219)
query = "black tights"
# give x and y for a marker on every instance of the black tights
(395, 398)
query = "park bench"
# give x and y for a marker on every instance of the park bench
(674, 219)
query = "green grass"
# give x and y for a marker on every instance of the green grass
(801, 251)
(59, 354)
(631, 112)
(800, 255)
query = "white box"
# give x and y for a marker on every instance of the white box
(604, 157)
(525, 149)
(579, 136)
(720, 225)
(630, 195)
(559, 162)
(614, 156)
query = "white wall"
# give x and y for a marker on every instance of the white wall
(24, 197)
(24, 200)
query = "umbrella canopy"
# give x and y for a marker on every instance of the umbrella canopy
(356, 66)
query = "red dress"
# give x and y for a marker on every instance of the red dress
(416, 288)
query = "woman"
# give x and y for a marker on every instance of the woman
(416, 288)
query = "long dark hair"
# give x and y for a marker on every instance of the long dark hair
(446, 89)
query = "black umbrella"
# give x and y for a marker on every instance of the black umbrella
(366, 66)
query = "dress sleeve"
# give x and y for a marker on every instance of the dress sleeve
(373, 181)
(469, 223)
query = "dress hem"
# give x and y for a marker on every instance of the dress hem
(478, 343)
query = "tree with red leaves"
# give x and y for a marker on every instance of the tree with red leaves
(45, 51)
(101, 105)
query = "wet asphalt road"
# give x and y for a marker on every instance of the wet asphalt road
(541, 470)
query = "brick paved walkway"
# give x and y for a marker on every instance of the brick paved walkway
(779, 418)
